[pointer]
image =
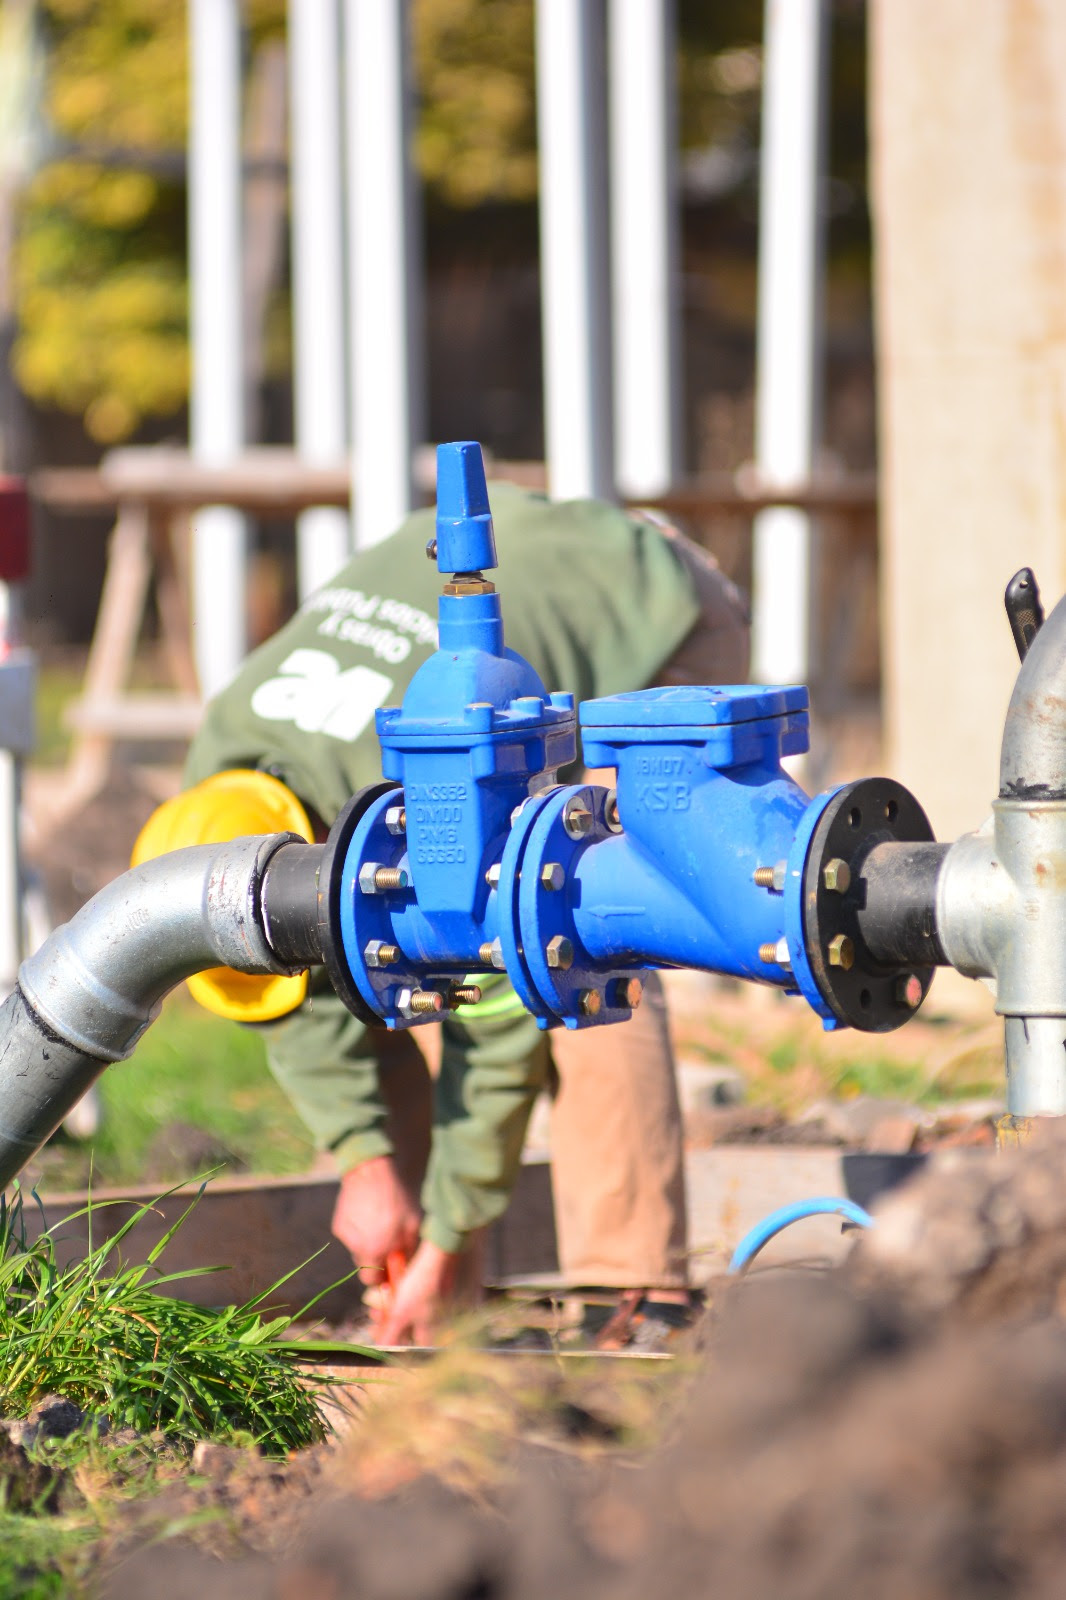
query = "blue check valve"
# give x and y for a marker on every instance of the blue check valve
(471, 858)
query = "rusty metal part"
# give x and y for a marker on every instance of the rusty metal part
(1012, 1132)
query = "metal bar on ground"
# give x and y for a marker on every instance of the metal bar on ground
(216, 400)
(788, 328)
(641, 36)
(573, 247)
(323, 533)
(384, 266)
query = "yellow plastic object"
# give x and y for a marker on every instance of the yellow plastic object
(223, 807)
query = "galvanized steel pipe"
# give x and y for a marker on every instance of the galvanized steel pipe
(86, 997)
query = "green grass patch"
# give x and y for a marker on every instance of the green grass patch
(95, 1331)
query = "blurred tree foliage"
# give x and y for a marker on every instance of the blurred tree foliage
(100, 261)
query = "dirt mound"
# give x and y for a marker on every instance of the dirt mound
(894, 1429)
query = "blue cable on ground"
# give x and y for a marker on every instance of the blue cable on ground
(784, 1216)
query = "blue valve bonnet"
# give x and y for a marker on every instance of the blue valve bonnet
(465, 541)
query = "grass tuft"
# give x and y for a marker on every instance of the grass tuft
(95, 1331)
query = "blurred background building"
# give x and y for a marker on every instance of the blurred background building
(742, 153)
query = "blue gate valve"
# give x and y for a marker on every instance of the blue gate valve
(706, 854)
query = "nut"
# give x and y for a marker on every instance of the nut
(396, 819)
(577, 818)
(907, 991)
(610, 812)
(469, 583)
(836, 875)
(419, 1002)
(841, 952)
(492, 876)
(380, 954)
(490, 954)
(628, 993)
(552, 875)
(374, 878)
(559, 953)
(590, 1002)
(431, 549)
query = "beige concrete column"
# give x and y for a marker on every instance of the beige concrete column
(968, 101)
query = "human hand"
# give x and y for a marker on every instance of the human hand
(376, 1216)
(410, 1313)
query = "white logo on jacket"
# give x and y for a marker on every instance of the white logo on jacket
(312, 692)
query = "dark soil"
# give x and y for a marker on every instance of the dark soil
(893, 1429)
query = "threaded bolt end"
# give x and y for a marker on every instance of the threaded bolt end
(591, 1002)
(484, 953)
(463, 994)
(768, 952)
(763, 877)
(390, 878)
(378, 954)
(424, 1001)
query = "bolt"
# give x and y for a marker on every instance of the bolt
(590, 1002)
(763, 877)
(380, 954)
(775, 953)
(492, 876)
(610, 811)
(559, 952)
(431, 549)
(836, 875)
(841, 952)
(419, 1002)
(552, 875)
(490, 954)
(396, 819)
(628, 993)
(374, 878)
(577, 818)
(907, 991)
(463, 994)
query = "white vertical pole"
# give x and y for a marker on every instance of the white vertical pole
(573, 247)
(385, 268)
(788, 332)
(216, 422)
(647, 390)
(319, 338)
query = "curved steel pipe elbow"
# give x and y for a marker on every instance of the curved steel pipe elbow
(98, 981)
(84, 999)
(1033, 754)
